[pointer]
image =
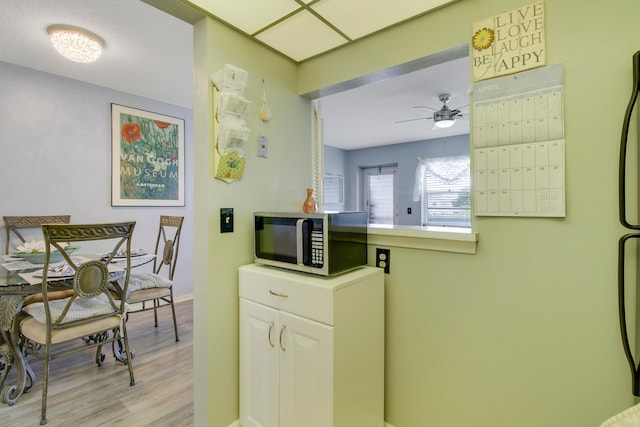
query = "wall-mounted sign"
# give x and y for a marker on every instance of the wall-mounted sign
(147, 160)
(508, 43)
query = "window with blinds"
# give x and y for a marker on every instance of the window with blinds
(380, 194)
(446, 198)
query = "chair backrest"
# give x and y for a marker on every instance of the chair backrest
(167, 244)
(15, 224)
(89, 277)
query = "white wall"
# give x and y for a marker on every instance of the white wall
(55, 140)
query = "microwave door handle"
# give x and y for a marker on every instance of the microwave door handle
(299, 241)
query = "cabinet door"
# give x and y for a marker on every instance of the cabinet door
(259, 352)
(306, 372)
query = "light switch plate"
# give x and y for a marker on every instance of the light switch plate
(263, 146)
(226, 220)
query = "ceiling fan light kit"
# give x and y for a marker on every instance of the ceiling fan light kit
(75, 44)
(445, 117)
(442, 118)
(443, 123)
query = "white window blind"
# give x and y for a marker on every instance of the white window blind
(317, 153)
(381, 195)
(446, 198)
(333, 190)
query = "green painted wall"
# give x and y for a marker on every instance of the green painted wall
(525, 332)
(274, 183)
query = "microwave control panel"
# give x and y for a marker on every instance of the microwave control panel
(317, 249)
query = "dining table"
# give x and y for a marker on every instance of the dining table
(20, 278)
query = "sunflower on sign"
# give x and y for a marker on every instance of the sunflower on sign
(482, 39)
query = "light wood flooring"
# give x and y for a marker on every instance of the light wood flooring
(83, 394)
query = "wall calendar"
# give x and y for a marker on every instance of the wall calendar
(518, 139)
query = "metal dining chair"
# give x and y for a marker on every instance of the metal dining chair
(17, 225)
(150, 291)
(88, 308)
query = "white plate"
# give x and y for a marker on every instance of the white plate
(53, 274)
(38, 257)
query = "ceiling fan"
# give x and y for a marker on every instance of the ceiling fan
(442, 118)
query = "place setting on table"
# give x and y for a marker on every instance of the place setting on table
(141, 255)
(26, 259)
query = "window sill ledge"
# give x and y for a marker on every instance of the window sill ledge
(458, 240)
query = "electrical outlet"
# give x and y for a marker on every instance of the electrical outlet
(226, 220)
(383, 259)
(263, 146)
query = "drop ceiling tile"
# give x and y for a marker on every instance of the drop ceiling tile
(301, 36)
(357, 18)
(248, 15)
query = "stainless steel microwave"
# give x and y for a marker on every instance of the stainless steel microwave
(318, 243)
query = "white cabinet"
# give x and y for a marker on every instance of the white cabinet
(311, 348)
(290, 380)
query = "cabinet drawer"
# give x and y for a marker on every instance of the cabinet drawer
(296, 293)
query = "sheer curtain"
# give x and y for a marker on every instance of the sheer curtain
(447, 169)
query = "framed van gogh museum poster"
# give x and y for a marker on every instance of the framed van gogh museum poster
(147, 158)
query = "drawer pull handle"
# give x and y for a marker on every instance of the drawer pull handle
(271, 325)
(278, 294)
(284, 326)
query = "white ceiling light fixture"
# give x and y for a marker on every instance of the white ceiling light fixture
(444, 123)
(75, 44)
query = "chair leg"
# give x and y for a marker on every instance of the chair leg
(173, 312)
(155, 311)
(129, 354)
(100, 356)
(45, 386)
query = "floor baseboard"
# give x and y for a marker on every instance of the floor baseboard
(186, 297)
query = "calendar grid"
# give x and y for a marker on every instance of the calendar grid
(519, 150)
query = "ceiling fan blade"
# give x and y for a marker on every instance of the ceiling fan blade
(413, 120)
(424, 106)
(461, 107)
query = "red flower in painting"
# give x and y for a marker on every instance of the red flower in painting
(162, 125)
(130, 132)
